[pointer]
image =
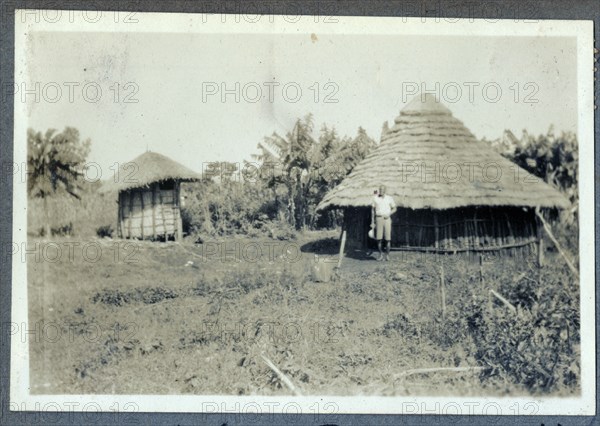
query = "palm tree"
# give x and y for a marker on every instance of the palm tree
(55, 163)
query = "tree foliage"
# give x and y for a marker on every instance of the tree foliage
(308, 167)
(55, 163)
(551, 157)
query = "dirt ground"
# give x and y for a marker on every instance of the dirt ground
(167, 318)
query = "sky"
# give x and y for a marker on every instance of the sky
(163, 92)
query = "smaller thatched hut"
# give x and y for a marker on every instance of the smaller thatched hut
(149, 197)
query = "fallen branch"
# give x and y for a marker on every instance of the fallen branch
(558, 246)
(503, 300)
(285, 379)
(440, 370)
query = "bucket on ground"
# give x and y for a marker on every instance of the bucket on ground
(322, 269)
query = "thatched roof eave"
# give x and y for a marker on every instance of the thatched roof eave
(147, 169)
(435, 206)
(427, 139)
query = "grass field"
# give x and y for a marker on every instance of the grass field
(165, 318)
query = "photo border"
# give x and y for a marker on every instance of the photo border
(543, 10)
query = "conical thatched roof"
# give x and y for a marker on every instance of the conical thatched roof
(428, 143)
(148, 168)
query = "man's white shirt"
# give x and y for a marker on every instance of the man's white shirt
(383, 205)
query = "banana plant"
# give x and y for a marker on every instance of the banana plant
(56, 164)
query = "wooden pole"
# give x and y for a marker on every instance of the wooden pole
(481, 269)
(444, 233)
(154, 186)
(130, 195)
(285, 379)
(443, 289)
(503, 300)
(546, 227)
(437, 229)
(342, 247)
(178, 221)
(540, 241)
(476, 226)
(466, 236)
(511, 236)
(474, 239)
(441, 370)
(503, 228)
(162, 213)
(142, 204)
(532, 235)
(120, 216)
(471, 234)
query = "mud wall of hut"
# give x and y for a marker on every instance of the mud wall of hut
(461, 229)
(151, 212)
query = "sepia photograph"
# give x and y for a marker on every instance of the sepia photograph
(302, 214)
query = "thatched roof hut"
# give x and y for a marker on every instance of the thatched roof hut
(149, 197)
(453, 191)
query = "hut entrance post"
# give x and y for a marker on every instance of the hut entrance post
(342, 248)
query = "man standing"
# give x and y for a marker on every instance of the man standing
(382, 208)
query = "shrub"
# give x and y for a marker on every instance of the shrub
(105, 231)
(61, 231)
(538, 345)
(232, 208)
